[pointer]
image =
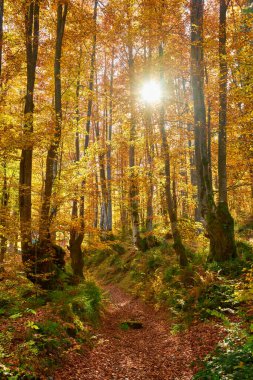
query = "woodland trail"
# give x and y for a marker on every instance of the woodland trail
(149, 353)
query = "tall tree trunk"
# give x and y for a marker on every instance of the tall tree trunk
(3, 212)
(102, 159)
(133, 180)
(91, 79)
(1, 37)
(52, 154)
(102, 174)
(109, 148)
(149, 144)
(47, 250)
(150, 168)
(215, 223)
(229, 247)
(178, 244)
(76, 237)
(25, 178)
(133, 186)
(4, 200)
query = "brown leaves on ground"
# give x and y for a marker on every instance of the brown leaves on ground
(150, 353)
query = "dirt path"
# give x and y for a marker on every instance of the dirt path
(150, 353)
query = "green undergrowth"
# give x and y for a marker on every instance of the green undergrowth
(155, 276)
(232, 358)
(201, 291)
(39, 328)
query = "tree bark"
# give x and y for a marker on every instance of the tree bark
(178, 244)
(1, 37)
(76, 237)
(4, 200)
(133, 181)
(46, 250)
(91, 79)
(25, 178)
(229, 246)
(150, 168)
(219, 230)
(52, 154)
(4, 204)
(109, 148)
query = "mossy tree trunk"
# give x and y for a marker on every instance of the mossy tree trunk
(227, 239)
(219, 222)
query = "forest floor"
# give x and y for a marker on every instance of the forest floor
(149, 353)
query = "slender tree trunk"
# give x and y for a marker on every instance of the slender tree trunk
(178, 244)
(95, 201)
(214, 217)
(133, 180)
(209, 134)
(76, 237)
(4, 204)
(4, 201)
(124, 216)
(150, 168)
(102, 174)
(52, 154)
(102, 160)
(109, 149)
(25, 178)
(91, 79)
(47, 252)
(228, 246)
(133, 186)
(1, 37)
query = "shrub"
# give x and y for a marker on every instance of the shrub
(154, 261)
(171, 272)
(231, 362)
(118, 248)
(216, 297)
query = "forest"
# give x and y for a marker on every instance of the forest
(126, 189)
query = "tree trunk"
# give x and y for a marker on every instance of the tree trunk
(102, 171)
(109, 149)
(76, 237)
(25, 178)
(91, 79)
(218, 227)
(133, 180)
(1, 37)
(3, 240)
(150, 168)
(45, 251)
(4, 204)
(223, 214)
(178, 244)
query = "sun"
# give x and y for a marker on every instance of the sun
(151, 92)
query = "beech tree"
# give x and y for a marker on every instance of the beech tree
(32, 9)
(96, 160)
(133, 186)
(219, 223)
(77, 234)
(1, 36)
